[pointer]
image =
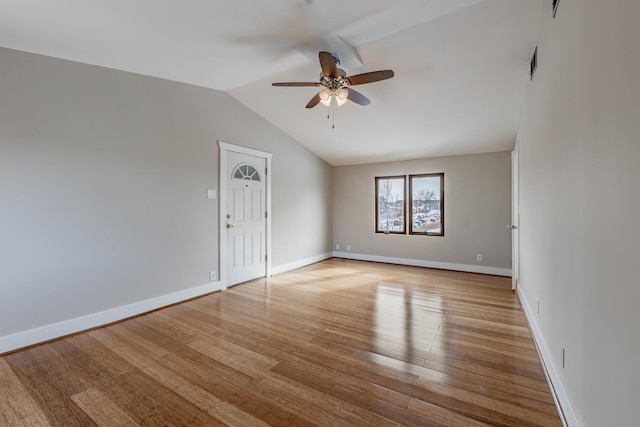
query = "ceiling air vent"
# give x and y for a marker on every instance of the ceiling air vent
(555, 6)
(534, 62)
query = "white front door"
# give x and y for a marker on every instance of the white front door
(245, 222)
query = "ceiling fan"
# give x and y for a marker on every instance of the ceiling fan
(337, 84)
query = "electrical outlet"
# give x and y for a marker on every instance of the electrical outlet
(479, 257)
(212, 276)
(337, 246)
(348, 247)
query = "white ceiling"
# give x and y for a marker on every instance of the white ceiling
(461, 65)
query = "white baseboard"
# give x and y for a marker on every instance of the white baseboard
(71, 326)
(301, 263)
(422, 263)
(48, 332)
(560, 395)
(67, 327)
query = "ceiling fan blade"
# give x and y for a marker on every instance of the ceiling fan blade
(314, 101)
(356, 97)
(328, 64)
(373, 76)
(295, 84)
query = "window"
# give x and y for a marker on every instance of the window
(246, 171)
(390, 205)
(426, 198)
(425, 204)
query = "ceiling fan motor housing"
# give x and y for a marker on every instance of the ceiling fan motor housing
(335, 82)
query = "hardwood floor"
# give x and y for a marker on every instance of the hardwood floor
(335, 343)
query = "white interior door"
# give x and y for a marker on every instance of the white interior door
(245, 219)
(515, 220)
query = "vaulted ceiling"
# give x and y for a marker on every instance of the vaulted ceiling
(461, 66)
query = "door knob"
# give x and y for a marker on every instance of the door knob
(229, 225)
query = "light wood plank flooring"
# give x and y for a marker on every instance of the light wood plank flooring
(335, 343)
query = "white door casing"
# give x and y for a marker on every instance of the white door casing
(245, 225)
(515, 220)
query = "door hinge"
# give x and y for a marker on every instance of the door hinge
(265, 257)
(266, 171)
(266, 214)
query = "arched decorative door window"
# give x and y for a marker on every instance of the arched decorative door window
(246, 171)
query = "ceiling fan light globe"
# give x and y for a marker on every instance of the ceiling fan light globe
(325, 97)
(341, 97)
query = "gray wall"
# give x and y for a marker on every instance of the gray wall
(103, 179)
(477, 210)
(579, 149)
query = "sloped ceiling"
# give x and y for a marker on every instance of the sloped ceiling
(461, 65)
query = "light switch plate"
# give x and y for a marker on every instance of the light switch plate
(211, 194)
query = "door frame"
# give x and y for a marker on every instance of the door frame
(222, 185)
(515, 219)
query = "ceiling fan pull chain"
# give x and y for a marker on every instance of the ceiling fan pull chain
(333, 110)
